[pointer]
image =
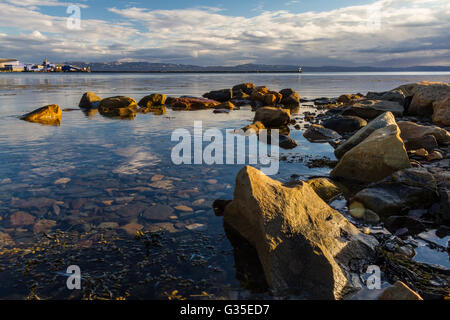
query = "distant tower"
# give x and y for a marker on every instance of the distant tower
(45, 62)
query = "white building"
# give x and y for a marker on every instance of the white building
(8, 62)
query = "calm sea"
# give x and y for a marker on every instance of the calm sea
(115, 169)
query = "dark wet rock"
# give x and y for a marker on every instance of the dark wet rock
(21, 218)
(370, 109)
(324, 101)
(318, 133)
(191, 103)
(404, 190)
(345, 124)
(311, 254)
(272, 117)
(287, 142)
(155, 99)
(158, 212)
(375, 158)
(434, 156)
(220, 95)
(290, 98)
(118, 107)
(394, 95)
(51, 115)
(89, 100)
(414, 225)
(219, 206)
(221, 111)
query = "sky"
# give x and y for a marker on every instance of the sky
(383, 33)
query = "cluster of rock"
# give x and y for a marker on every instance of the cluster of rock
(397, 170)
(221, 101)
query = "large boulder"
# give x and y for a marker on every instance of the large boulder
(375, 158)
(118, 107)
(425, 93)
(369, 109)
(191, 103)
(381, 121)
(345, 124)
(273, 117)
(408, 189)
(393, 95)
(155, 99)
(304, 246)
(416, 136)
(318, 133)
(441, 111)
(50, 114)
(290, 98)
(89, 100)
(220, 95)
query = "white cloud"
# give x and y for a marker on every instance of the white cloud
(366, 34)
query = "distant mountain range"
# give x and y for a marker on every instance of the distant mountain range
(168, 67)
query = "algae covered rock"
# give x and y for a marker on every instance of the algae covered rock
(89, 100)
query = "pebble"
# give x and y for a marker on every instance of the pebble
(62, 181)
(184, 208)
(157, 177)
(196, 227)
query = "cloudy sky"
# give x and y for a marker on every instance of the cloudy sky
(231, 32)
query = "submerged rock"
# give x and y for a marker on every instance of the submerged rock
(304, 246)
(405, 189)
(381, 121)
(375, 158)
(369, 109)
(287, 142)
(50, 114)
(89, 100)
(272, 117)
(318, 133)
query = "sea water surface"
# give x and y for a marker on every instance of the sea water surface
(94, 178)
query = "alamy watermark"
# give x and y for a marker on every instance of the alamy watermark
(74, 277)
(235, 147)
(74, 20)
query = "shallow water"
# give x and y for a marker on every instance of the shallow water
(114, 169)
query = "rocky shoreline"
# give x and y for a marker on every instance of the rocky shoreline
(392, 170)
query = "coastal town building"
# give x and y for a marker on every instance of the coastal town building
(14, 65)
